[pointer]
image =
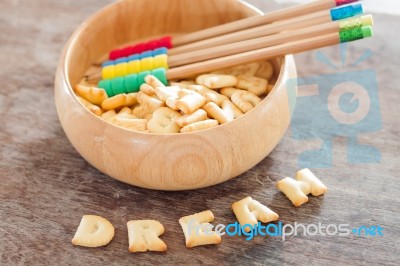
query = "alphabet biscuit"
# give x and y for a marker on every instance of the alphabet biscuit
(91, 107)
(183, 83)
(231, 108)
(130, 123)
(197, 231)
(109, 115)
(131, 99)
(190, 103)
(149, 103)
(196, 116)
(171, 103)
(147, 89)
(228, 91)
(249, 211)
(254, 85)
(93, 231)
(114, 102)
(297, 190)
(163, 121)
(92, 94)
(144, 235)
(153, 81)
(245, 100)
(125, 110)
(222, 116)
(210, 95)
(317, 188)
(163, 93)
(217, 81)
(209, 123)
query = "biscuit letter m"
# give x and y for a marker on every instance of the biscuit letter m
(297, 190)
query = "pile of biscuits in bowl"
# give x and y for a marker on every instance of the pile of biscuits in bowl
(203, 102)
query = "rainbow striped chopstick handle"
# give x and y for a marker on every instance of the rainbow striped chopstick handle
(141, 47)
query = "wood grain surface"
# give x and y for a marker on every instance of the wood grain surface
(46, 186)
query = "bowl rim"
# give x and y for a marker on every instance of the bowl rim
(64, 63)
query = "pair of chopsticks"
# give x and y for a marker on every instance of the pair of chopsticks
(287, 31)
(251, 22)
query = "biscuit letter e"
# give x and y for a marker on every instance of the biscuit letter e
(198, 230)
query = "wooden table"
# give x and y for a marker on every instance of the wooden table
(46, 186)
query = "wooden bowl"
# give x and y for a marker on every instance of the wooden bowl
(166, 161)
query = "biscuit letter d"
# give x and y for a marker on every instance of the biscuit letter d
(93, 231)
